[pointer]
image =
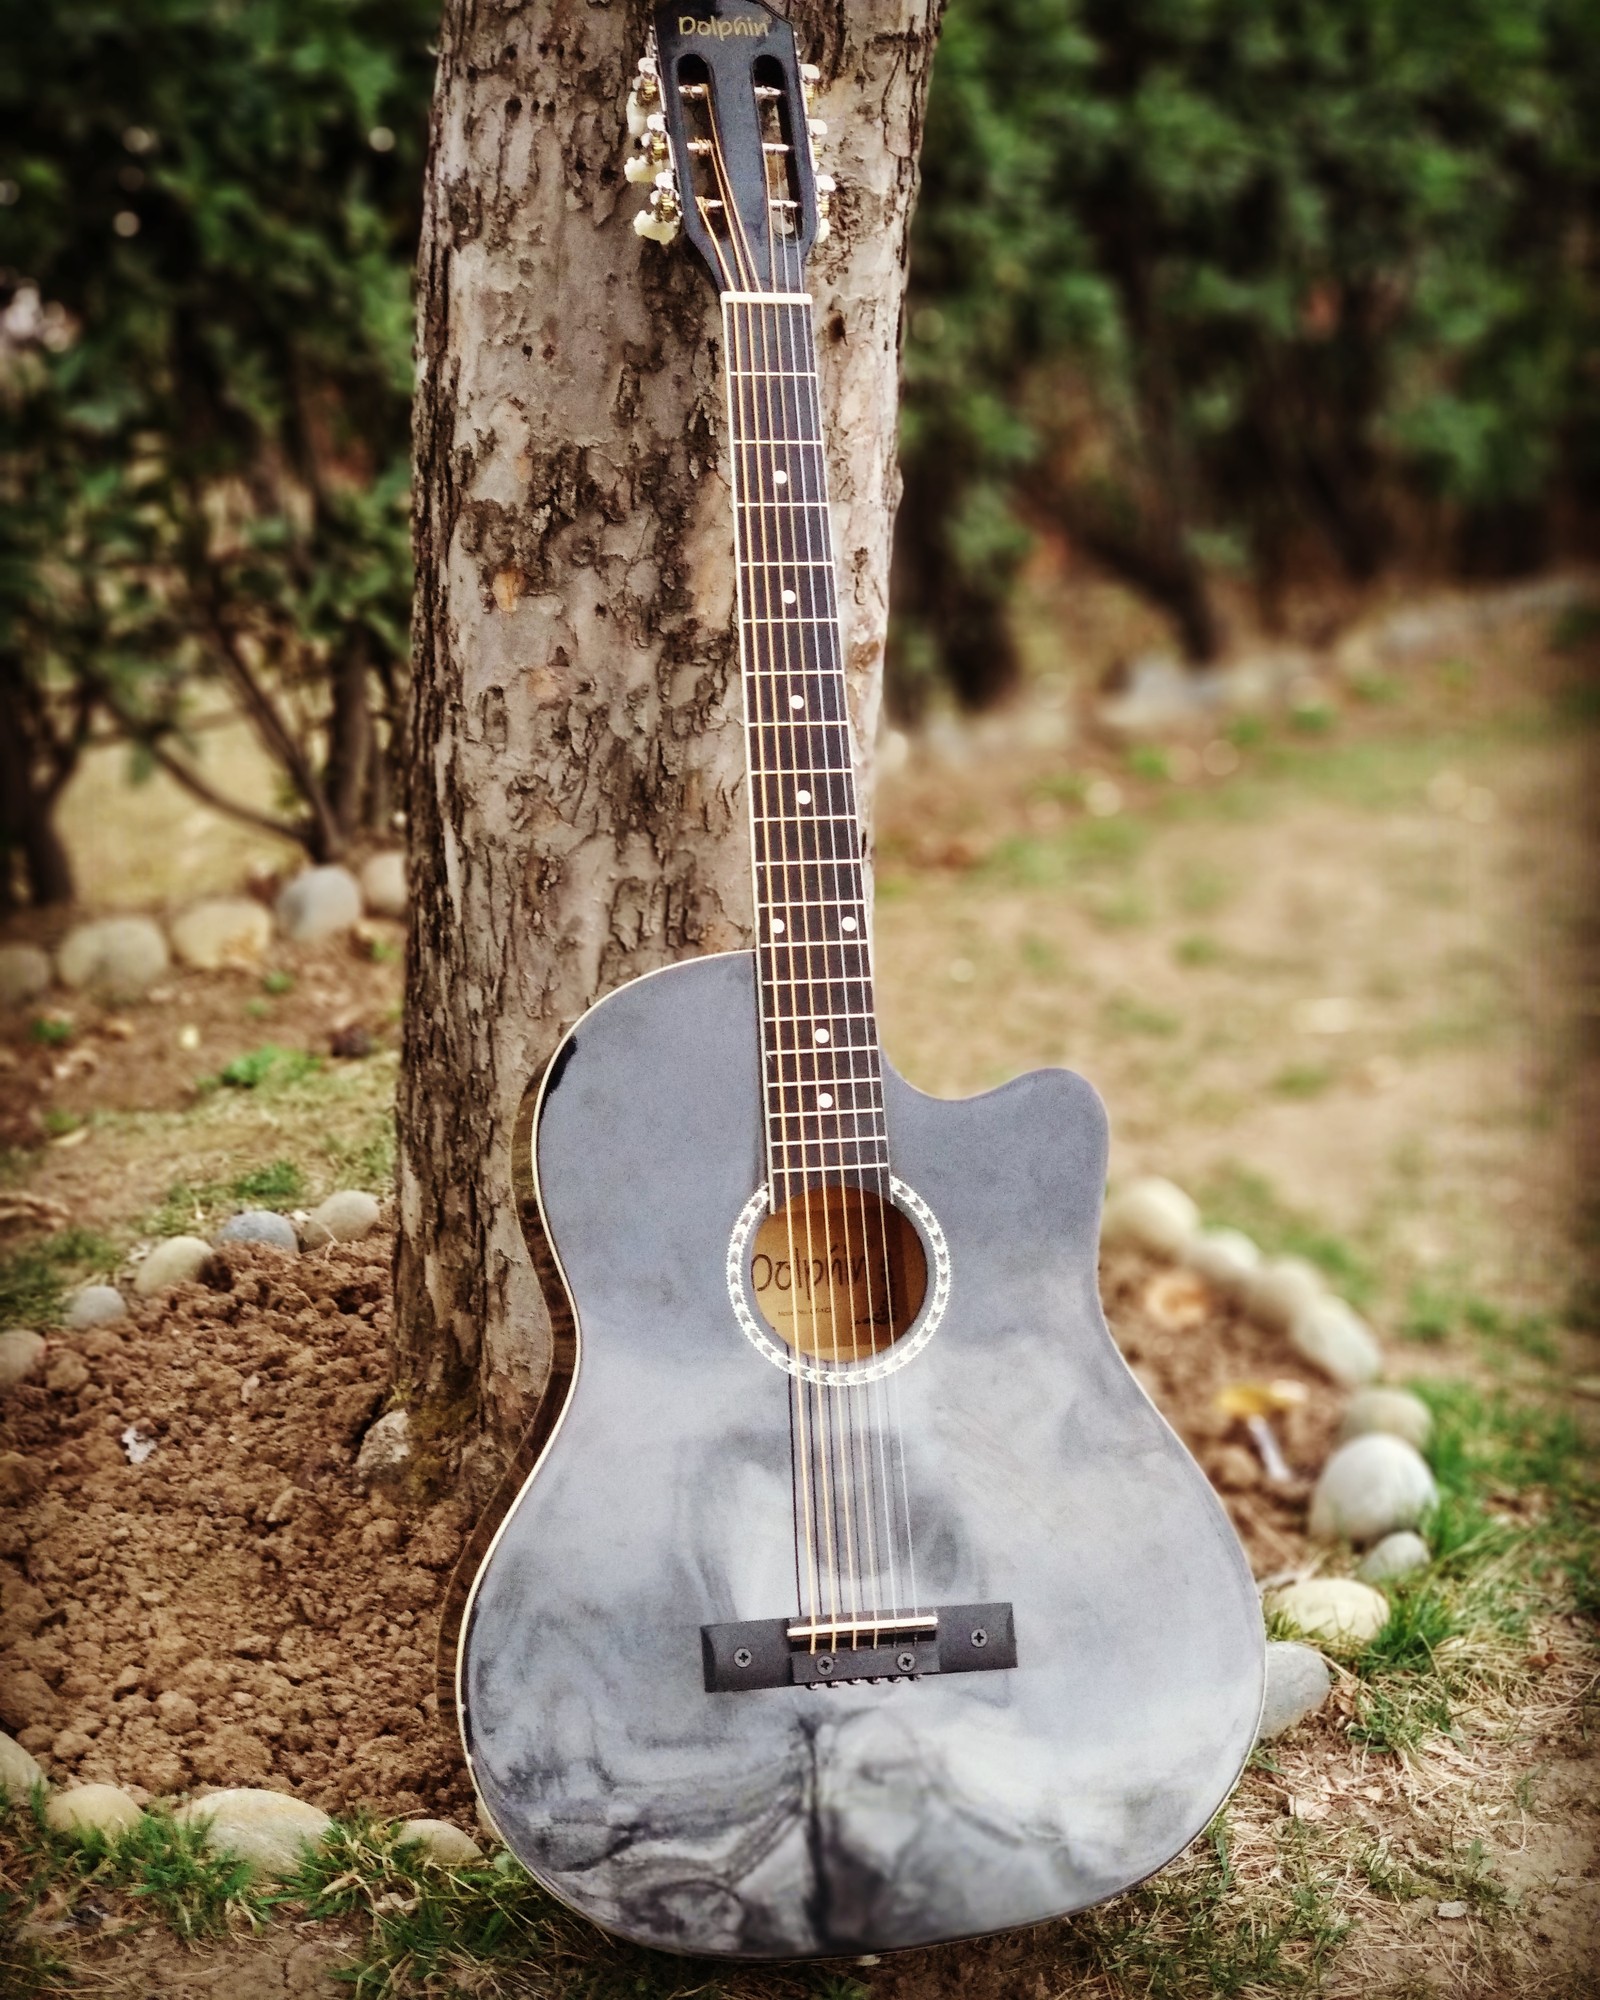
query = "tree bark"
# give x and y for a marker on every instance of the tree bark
(577, 810)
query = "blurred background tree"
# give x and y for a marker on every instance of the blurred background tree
(1257, 286)
(208, 215)
(1261, 290)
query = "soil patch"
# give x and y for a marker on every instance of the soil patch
(236, 1609)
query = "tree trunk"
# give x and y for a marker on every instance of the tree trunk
(577, 805)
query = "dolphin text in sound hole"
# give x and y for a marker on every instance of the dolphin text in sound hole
(839, 1274)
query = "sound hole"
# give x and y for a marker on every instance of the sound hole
(839, 1274)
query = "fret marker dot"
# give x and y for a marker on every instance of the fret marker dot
(824, 1098)
(804, 798)
(848, 924)
(777, 923)
(821, 1035)
(788, 597)
(780, 479)
(797, 701)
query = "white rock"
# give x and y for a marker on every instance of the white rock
(1281, 1288)
(1397, 1555)
(21, 1355)
(318, 903)
(1333, 1607)
(95, 1305)
(1298, 1683)
(269, 1830)
(1337, 1340)
(383, 890)
(19, 1773)
(103, 1809)
(344, 1217)
(386, 1448)
(1227, 1259)
(441, 1842)
(173, 1262)
(227, 930)
(260, 1225)
(1396, 1411)
(24, 974)
(117, 958)
(1153, 1214)
(1370, 1487)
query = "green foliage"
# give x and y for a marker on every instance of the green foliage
(280, 1180)
(269, 1065)
(33, 1278)
(1215, 281)
(209, 222)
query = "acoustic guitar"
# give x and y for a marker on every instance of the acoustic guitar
(859, 1598)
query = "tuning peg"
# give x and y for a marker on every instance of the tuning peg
(809, 73)
(639, 168)
(817, 127)
(659, 222)
(826, 185)
(824, 229)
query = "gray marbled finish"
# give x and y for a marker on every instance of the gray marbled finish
(790, 1823)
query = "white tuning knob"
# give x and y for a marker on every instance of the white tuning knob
(656, 228)
(640, 169)
(809, 73)
(826, 184)
(817, 127)
(637, 116)
(824, 228)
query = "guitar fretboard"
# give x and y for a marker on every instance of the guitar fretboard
(822, 1074)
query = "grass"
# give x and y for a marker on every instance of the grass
(34, 1277)
(268, 1065)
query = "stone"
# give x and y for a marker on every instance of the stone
(344, 1217)
(95, 1305)
(115, 958)
(261, 1225)
(269, 1830)
(1161, 694)
(224, 931)
(441, 1842)
(173, 1262)
(386, 1449)
(21, 1352)
(1370, 1487)
(67, 1374)
(103, 1809)
(1395, 1411)
(383, 890)
(1153, 1214)
(1226, 1258)
(1336, 1339)
(319, 903)
(24, 974)
(19, 1772)
(1397, 1555)
(1298, 1683)
(1281, 1288)
(1334, 1608)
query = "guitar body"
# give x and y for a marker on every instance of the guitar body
(796, 1821)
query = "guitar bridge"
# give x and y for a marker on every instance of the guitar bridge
(893, 1646)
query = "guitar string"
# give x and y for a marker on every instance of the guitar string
(822, 1410)
(860, 1397)
(779, 634)
(762, 832)
(892, 1410)
(855, 1463)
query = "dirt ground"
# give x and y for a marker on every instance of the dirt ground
(1332, 977)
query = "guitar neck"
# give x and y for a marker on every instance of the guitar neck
(821, 1065)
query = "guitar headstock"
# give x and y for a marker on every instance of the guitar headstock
(723, 136)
